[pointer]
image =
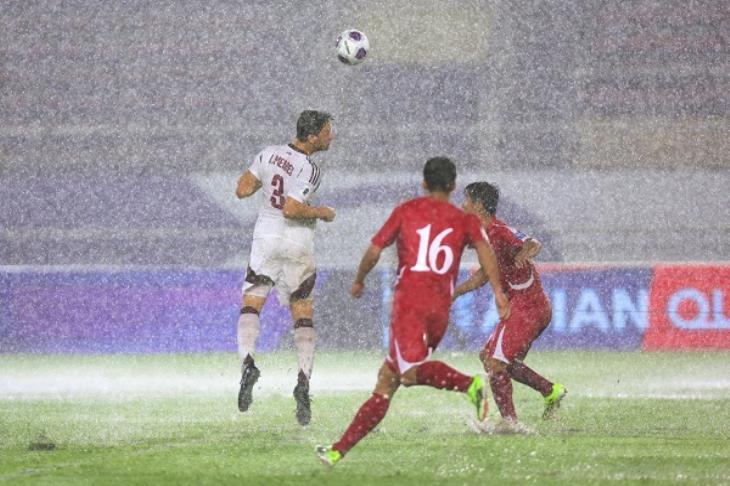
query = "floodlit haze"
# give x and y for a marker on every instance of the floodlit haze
(126, 355)
(125, 125)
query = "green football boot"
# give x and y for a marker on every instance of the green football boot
(328, 455)
(552, 401)
(477, 393)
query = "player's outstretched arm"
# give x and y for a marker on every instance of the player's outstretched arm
(530, 248)
(488, 262)
(247, 185)
(294, 209)
(368, 261)
(478, 279)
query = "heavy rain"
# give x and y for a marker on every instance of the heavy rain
(125, 127)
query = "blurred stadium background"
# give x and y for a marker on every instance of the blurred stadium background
(125, 125)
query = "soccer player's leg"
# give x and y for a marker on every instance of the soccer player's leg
(552, 393)
(304, 339)
(414, 346)
(552, 401)
(537, 318)
(256, 287)
(522, 373)
(496, 356)
(438, 374)
(367, 417)
(301, 272)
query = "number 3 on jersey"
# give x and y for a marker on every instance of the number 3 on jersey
(429, 251)
(277, 195)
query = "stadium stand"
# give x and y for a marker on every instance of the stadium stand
(116, 119)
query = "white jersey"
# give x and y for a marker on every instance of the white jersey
(284, 171)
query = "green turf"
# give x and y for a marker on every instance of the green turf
(172, 419)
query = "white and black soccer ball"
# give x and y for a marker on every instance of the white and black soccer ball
(352, 47)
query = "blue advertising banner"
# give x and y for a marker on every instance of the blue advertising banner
(124, 311)
(151, 311)
(592, 308)
(148, 311)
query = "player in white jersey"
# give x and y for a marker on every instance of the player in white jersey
(282, 251)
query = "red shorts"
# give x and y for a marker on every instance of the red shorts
(417, 326)
(512, 338)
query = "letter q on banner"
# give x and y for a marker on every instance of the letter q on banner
(688, 308)
(710, 310)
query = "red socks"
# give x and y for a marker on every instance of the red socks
(442, 376)
(370, 414)
(527, 376)
(432, 373)
(501, 384)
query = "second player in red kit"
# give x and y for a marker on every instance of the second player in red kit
(530, 310)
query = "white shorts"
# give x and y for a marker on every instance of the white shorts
(277, 262)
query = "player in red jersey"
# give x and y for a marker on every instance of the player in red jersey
(430, 235)
(506, 348)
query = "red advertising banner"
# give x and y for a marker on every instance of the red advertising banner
(689, 307)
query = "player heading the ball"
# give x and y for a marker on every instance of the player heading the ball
(282, 251)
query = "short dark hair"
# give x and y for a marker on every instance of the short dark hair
(439, 173)
(311, 122)
(485, 194)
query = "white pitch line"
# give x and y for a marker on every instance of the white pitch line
(112, 384)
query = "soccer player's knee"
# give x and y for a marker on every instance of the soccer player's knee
(409, 378)
(511, 366)
(247, 309)
(388, 382)
(387, 390)
(495, 366)
(301, 309)
(303, 324)
(304, 291)
(252, 304)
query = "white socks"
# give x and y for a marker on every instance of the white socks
(248, 332)
(304, 340)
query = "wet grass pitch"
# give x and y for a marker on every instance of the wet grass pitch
(172, 419)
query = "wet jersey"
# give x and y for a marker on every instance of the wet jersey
(430, 236)
(507, 242)
(285, 172)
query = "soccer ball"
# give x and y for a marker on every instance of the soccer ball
(352, 47)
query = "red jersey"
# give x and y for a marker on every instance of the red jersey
(506, 243)
(430, 237)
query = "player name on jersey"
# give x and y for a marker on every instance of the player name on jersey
(282, 163)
